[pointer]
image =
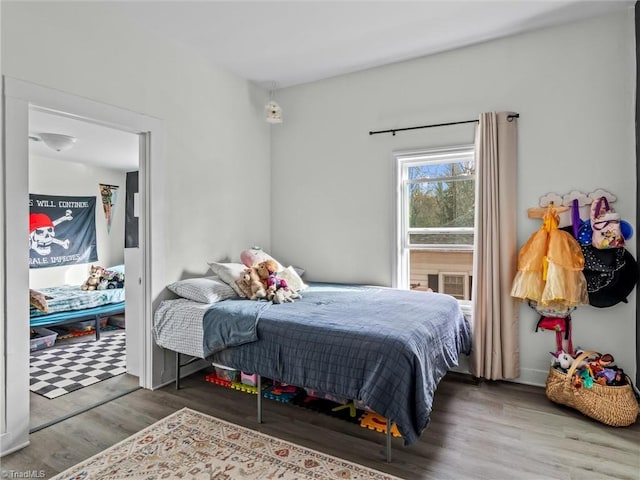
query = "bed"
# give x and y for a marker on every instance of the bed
(385, 347)
(70, 304)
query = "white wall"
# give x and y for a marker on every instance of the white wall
(48, 176)
(217, 145)
(574, 88)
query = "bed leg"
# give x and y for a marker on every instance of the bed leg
(97, 327)
(388, 440)
(259, 386)
(177, 370)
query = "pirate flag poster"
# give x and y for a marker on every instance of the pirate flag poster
(109, 194)
(62, 230)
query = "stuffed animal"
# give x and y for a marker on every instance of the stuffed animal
(561, 359)
(277, 289)
(95, 275)
(265, 270)
(251, 285)
(39, 300)
(280, 296)
(113, 279)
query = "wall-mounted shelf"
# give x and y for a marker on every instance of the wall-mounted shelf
(565, 201)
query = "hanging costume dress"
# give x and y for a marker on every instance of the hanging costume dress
(550, 268)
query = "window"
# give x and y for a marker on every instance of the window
(455, 284)
(435, 220)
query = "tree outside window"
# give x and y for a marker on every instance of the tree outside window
(436, 204)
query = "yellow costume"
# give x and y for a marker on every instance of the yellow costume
(550, 267)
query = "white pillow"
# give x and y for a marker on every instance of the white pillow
(229, 273)
(294, 282)
(203, 289)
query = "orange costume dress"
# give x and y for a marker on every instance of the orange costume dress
(550, 267)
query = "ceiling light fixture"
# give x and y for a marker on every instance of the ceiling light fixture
(57, 141)
(273, 111)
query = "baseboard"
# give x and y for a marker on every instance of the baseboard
(5, 440)
(528, 376)
(463, 365)
(531, 376)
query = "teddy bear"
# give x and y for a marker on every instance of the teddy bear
(95, 275)
(267, 271)
(251, 285)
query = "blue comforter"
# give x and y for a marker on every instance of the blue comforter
(388, 348)
(64, 298)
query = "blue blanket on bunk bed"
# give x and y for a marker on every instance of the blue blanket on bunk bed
(388, 348)
(64, 298)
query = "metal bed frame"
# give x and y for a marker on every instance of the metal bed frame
(259, 400)
(73, 316)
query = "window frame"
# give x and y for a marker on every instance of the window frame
(402, 160)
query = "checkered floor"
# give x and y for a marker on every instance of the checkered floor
(57, 371)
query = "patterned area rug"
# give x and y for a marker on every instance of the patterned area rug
(57, 371)
(192, 445)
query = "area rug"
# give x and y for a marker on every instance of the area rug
(58, 371)
(191, 445)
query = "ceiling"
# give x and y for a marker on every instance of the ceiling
(281, 44)
(303, 41)
(96, 145)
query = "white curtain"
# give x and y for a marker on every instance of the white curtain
(495, 352)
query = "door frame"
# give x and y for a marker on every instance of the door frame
(19, 97)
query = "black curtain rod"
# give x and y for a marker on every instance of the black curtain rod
(394, 130)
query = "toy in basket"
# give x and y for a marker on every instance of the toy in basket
(614, 405)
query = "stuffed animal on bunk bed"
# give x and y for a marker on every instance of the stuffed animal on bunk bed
(95, 276)
(111, 279)
(39, 300)
(550, 267)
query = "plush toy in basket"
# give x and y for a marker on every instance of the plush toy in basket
(589, 386)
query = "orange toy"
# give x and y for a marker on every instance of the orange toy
(376, 422)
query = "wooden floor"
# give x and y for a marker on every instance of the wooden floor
(45, 410)
(491, 430)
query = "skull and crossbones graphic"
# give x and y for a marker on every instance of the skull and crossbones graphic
(42, 232)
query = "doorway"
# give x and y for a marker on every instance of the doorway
(19, 98)
(77, 186)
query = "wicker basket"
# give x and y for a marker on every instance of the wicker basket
(615, 406)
